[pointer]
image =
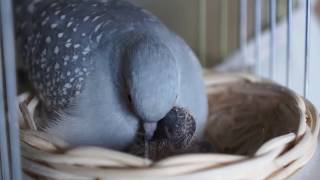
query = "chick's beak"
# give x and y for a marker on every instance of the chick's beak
(149, 129)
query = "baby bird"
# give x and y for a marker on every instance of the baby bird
(174, 135)
(102, 67)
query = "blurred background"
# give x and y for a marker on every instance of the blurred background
(210, 27)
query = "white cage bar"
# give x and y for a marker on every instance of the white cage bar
(307, 50)
(258, 27)
(273, 19)
(10, 149)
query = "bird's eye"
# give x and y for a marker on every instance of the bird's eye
(129, 98)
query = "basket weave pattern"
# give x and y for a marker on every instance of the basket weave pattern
(270, 131)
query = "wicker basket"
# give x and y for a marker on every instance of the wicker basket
(264, 130)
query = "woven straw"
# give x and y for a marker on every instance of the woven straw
(264, 130)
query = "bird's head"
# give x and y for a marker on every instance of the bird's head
(152, 80)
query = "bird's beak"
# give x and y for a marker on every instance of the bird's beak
(149, 129)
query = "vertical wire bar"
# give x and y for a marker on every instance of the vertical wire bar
(202, 31)
(224, 38)
(11, 89)
(243, 29)
(273, 21)
(307, 49)
(258, 14)
(4, 154)
(289, 36)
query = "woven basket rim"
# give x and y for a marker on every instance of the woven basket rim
(273, 160)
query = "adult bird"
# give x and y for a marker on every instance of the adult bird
(102, 67)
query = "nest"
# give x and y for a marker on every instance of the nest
(261, 131)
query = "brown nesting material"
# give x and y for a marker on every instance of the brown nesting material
(243, 116)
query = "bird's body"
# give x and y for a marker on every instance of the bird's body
(84, 61)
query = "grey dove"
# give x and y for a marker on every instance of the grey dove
(103, 67)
